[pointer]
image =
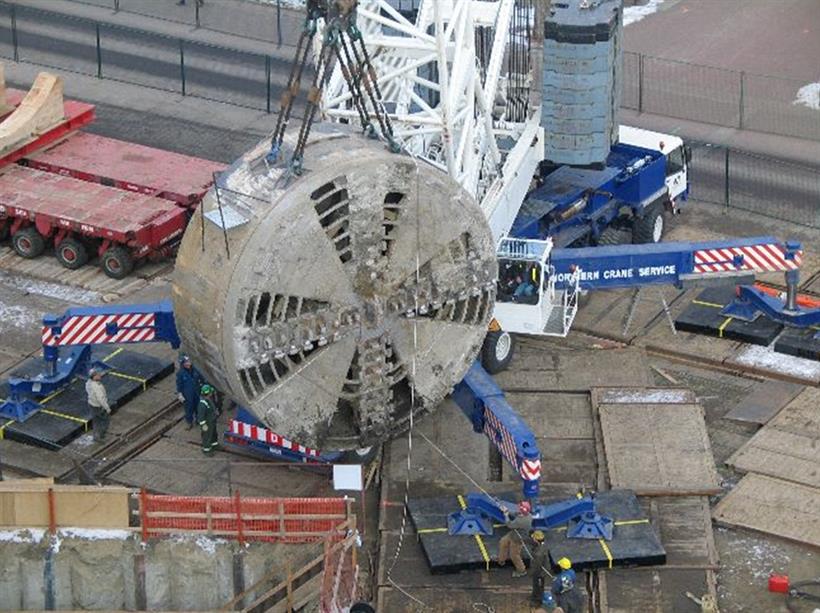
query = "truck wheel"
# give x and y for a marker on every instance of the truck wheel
(650, 227)
(497, 351)
(72, 254)
(117, 263)
(28, 242)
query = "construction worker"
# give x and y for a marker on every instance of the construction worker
(563, 587)
(510, 545)
(548, 604)
(98, 401)
(206, 416)
(189, 382)
(538, 566)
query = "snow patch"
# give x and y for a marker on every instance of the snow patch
(49, 289)
(95, 534)
(15, 316)
(208, 544)
(646, 397)
(767, 358)
(809, 96)
(634, 14)
(27, 535)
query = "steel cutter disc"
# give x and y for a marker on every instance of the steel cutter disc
(339, 290)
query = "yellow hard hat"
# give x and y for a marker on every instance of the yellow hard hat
(564, 564)
(538, 535)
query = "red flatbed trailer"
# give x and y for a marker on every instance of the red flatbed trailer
(172, 176)
(85, 219)
(91, 196)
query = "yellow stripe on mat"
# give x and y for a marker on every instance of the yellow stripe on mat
(481, 547)
(84, 422)
(112, 354)
(431, 530)
(723, 326)
(55, 394)
(3, 428)
(130, 378)
(709, 304)
(607, 552)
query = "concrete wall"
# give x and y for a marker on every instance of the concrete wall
(111, 569)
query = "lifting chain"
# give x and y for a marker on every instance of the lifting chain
(343, 41)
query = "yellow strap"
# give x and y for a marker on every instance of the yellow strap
(709, 304)
(3, 429)
(723, 326)
(607, 552)
(626, 522)
(55, 394)
(481, 547)
(431, 530)
(84, 422)
(130, 378)
(112, 354)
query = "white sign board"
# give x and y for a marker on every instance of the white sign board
(347, 477)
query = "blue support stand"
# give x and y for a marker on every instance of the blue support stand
(578, 514)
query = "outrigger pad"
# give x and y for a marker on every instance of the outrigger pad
(703, 316)
(634, 541)
(799, 343)
(66, 415)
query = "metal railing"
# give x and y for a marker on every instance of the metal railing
(730, 98)
(120, 53)
(760, 184)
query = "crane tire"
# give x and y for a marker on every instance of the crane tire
(497, 351)
(28, 242)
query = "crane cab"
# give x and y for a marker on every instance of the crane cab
(527, 300)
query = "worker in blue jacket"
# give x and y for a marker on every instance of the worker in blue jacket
(563, 587)
(189, 382)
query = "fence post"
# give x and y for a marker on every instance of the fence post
(196, 12)
(726, 179)
(640, 82)
(267, 82)
(16, 53)
(278, 24)
(182, 64)
(116, 6)
(742, 98)
(52, 513)
(240, 533)
(144, 514)
(99, 51)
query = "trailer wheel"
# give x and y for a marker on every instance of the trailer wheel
(28, 242)
(497, 351)
(117, 263)
(72, 254)
(650, 227)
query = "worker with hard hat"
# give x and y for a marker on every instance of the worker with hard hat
(539, 555)
(563, 586)
(206, 417)
(189, 382)
(98, 401)
(511, 544)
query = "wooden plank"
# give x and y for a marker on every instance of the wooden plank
(764, 401)
(658, 449)
(684, 525)
(655, 590)
(787, 447)
(773, 506)
(75, 506)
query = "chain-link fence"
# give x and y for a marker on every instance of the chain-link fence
(760, 184)
(723, 97)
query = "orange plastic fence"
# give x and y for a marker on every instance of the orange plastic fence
(290, 520)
